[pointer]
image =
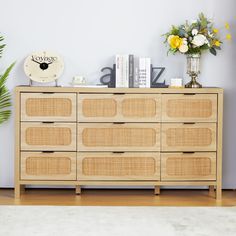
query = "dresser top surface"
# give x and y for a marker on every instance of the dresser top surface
(117, 90)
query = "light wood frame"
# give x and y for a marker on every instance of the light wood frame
(211, 127)
(210, 156)
(67, 96)
(118, 113)
(212, 98)
(154, 127)
(214, 186)
(155, 156)
(70, 156)
(69, 127)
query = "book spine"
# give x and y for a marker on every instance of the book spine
(118, 71)
(136, 72)
(148, 72)
(126, 66)
(131, 71)
(122, 74)
(142, 72)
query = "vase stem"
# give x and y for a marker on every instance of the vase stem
(193, 69)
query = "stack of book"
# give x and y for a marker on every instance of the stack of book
(133, 72)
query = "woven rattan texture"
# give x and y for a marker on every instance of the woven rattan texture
(139, 107)
(48, 136)
(119, 166)
(185, 166)
(99, 107)
(48, 107)
(201, 108)
(48, 165)
(188, 137)
(117, 137)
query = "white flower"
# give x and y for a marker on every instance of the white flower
(199, 40)
(207, 42)
(185, 42)
(210, 34)
(183, 48)
(194, 32)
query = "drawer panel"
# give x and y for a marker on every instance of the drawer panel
(188, 166)
(118, 166)
(48, 107)
(121, 108)
(119, 137)
(188, 137)
(48, 166)
(48, 136)
(185, 107)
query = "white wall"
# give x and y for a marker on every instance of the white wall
(89, 33)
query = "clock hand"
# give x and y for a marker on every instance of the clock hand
(36, 61)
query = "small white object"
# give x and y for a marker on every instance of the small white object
(194, 32)
(79, 80)
(176, 82)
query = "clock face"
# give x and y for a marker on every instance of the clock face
(43, 66)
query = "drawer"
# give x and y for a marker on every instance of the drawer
(121, 108)
(48, 107)
(188, 137)
(48, 166)
(48, 136)
(118, 166)
(188, 166)
(185, 107)
(118, 137)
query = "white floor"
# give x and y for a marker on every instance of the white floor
(114, 221)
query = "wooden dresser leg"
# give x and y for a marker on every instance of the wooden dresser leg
(218, 192)
(78, 189)
(157, 190)
(18, 190)
(212, 190)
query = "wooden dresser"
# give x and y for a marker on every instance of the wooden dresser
(118, 136)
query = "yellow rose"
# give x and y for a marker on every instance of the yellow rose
(217, 43)
(175, 41)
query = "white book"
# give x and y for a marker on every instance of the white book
(142, 72)
(126, 71)
(148, 72)
(118, 71)
(136, 72)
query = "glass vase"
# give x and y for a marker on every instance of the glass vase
(193, 70)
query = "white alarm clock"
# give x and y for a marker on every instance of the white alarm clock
(44, 66)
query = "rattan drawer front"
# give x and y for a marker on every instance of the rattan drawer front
(183, 108)
(48, 107)
(120, 108)
(118, 166)
(119, 137)
(188, 137)
(41, 136)
(188, 166)
(48, 166)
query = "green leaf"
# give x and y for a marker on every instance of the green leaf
(5, 96)
(4, 77)
(4, 115)
(213, 51)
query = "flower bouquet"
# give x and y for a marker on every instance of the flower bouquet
(192, 38)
